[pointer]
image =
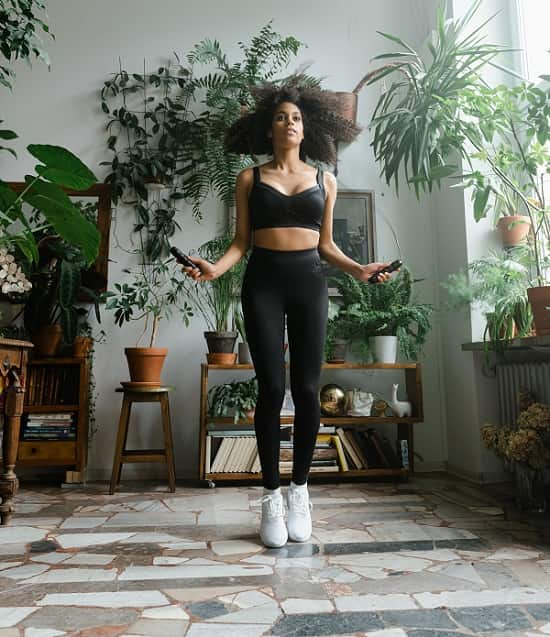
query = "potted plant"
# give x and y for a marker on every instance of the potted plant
(525, 450)
(239, 396)
(216, 301)
(383, 315)
(504, 129)
(335, 343)
(497, 284)
(151, 294)
(243, 349)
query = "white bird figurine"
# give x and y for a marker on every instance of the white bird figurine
(401, 408)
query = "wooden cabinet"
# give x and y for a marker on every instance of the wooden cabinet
(56, 389)
(413, 384)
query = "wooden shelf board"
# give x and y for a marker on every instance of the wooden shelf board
(330, 474)
(47, 409)
(56, 360)
(238, 367)
(356, 420)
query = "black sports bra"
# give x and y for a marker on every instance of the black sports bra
(271, 208)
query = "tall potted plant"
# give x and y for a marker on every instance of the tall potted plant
(152, 293)
(433, 112)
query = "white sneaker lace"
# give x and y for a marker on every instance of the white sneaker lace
(299, 502)
(273, 506)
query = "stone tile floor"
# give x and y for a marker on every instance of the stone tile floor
(431, 557)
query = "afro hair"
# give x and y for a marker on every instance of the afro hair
(323, 126)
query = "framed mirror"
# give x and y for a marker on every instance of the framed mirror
(95, 205)
(353, 229)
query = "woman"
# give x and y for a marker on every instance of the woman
(285, 209)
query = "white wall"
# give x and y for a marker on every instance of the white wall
(62, 107)
(470, 396)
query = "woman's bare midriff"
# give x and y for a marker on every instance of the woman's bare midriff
(285, 238)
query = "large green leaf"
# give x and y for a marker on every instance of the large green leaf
(62, 167)
(65, 217)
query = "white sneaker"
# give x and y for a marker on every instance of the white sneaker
(273, 528)
(299, 513)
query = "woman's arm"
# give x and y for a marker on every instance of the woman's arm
(241, 242)
(331, 252)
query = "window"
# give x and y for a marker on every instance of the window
(534, 17)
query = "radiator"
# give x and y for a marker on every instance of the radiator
(512, 377)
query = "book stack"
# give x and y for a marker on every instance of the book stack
(328, 454)
(232, 454)
(50, 426)
(367, 449)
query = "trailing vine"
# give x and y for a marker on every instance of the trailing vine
(166, 130)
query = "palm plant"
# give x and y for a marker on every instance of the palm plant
(438, 111)
(383, 309)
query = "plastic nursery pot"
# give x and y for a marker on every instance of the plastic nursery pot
(145, 364)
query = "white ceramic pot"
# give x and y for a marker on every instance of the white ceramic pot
(383, 348)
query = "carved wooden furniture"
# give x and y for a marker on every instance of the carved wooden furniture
(13, 370)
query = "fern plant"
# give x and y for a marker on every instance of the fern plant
(383, 309)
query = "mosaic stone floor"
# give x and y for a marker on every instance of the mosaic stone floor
(432, 557)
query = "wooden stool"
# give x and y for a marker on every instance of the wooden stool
(166, 455)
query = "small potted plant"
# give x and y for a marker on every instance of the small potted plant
(243, 349)
(237, 396)
(216, 301)
(498, 285)
(152, 293)
(335, 343)
(384, 316)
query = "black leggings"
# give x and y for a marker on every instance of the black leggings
(291, 283)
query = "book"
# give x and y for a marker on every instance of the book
(355, 438)
(354, 458)
(340, 452)
(377, 444)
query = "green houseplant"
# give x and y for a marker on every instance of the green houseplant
(432, 113)
(237, 396)
(384, 310)
(151, 294)
(216, 300)
(167, 126)
(498, 285)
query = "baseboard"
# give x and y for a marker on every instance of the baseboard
(137, 472)
(483, 477)
(430, 467)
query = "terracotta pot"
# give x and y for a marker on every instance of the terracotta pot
(221, 358)
(514, 229)
(539, 298)
(47, 340)
(145, 363)
(82, 346)
(347, 105)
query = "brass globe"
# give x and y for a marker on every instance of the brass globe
(332, 400)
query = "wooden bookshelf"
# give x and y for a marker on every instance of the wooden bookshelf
(413, 383)
(57, 385)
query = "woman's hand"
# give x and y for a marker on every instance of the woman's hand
(207, 270)
(372, 268)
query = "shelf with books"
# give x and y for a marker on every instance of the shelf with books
(54, 426)
(361, 450)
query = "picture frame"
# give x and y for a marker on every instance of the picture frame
(353, 229)
(97, 196)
